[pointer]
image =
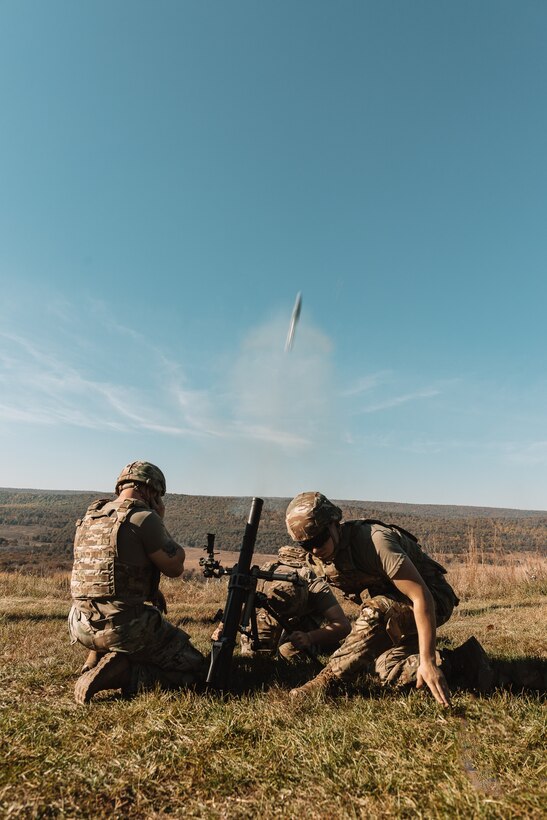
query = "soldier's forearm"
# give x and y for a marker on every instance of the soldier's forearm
(424, 615)
(410, 583)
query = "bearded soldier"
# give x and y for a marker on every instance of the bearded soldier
(121, 549)
(404, 596)
(315, 620)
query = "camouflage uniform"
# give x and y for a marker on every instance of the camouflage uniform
(301, 606)
(384, 638)
(114, 586)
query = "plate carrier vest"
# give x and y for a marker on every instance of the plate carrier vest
(98, 571)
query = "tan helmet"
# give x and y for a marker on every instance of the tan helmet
(144, 473)
(308, 515)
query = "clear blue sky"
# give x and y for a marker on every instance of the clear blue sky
(172, 173)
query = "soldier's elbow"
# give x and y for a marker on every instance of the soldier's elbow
(175, 567)
(176, 571)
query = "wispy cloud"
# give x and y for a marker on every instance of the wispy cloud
(19, 414)
(395, 401)
(367, 383)
(534, 452)
(517, 452)
(388, 389)
(423, 446)
(271, 435)
(196, 407)
(262, 396)
(41, 388)
(370, 440)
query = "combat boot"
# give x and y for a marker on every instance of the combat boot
(323, 683)
(519, 674)
(111, 672)
(468, 667)
(91, 661)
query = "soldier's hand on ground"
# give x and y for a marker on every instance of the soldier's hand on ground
(432, 675)
(300, 640)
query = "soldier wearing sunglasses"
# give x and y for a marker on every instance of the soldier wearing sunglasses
(403, 593)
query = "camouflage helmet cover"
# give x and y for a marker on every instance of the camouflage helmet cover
(144, 473)
(308, 514)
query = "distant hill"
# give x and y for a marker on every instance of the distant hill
(37, 526)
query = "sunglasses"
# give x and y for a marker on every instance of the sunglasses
(317, 541)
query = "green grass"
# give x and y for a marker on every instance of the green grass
(369, 753)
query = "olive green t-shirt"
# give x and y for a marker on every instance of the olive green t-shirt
(142, 534)
(374, 549)
(320, 597)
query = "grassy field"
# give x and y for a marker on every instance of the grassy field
(369, 753)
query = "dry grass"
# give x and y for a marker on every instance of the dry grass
(494, 575)
(370, 753)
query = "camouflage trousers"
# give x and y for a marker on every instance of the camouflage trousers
(160, 653)
(273, 638)
(383, 641)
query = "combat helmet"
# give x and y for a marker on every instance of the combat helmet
(144, 473)
(308, 516)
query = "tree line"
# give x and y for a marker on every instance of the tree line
(41, 523)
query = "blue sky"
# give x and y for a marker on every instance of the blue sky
(173, 173)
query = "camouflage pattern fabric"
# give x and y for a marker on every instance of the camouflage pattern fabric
(301, 604)
(287, 598)
(98, 571)
(383, 641)
(308, 514)
(273, 638)
(160, 653)
(142, 472)
(293, 556)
